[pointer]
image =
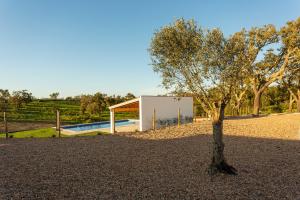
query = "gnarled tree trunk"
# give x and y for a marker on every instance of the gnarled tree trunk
(298, 101)
(218, 163)
(296, 97)
(256, 104)
(238, 108)
(238, 101)
(292, 100)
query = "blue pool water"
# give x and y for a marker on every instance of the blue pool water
(97, 125)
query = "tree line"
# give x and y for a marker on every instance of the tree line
(217, 70)
(89, 104)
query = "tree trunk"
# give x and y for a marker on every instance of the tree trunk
(298, 101)
(238, 108)
(291, 103)
(256, 104)
(298, 106)
(218, 160)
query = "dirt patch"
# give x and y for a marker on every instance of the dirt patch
(166, 164)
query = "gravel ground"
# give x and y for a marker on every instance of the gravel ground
(167, 164)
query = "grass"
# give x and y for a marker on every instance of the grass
(46, 133)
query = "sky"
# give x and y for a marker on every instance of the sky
(81, 47)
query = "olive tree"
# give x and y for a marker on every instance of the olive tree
(93, 104)
(205, 64)
(239, 94)
(290, 35)
(292, 82)
(264, 64)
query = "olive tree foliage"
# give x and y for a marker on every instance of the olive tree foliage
(262, 72)
(291, 43)
(93, 104)
(205, 64)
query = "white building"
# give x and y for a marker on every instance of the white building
(156, 111)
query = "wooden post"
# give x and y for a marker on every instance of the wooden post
(5, 125)
(194, 114)
(154, 119)
(112, 121)
(179, 117)
(58, 122)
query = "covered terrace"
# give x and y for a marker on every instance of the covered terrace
(128, 106)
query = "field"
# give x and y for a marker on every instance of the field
(41, 114)
(45, 111)
(169, 163)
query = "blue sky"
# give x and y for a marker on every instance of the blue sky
(79, 47)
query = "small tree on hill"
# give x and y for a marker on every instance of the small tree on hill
(54, 95)
(205, 64)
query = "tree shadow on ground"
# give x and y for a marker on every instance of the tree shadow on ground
(246, 117)
(119, 167)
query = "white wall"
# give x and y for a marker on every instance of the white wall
(165, 108)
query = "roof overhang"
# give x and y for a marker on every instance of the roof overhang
(127, 106)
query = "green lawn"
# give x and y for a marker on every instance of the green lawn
(45, 133)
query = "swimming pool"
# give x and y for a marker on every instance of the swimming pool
(97, 125)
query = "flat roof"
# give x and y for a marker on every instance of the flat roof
(133, 103)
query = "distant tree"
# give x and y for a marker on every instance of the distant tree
(20, 97)
(4, 99)
(69, 99)
(263, 72)
(109, 101)
(292, 82)
(129, 96)
(93, 104)
(118, 99)
(85, 100)
(290, 35)
(99, 100)
(77, 98)
(274, 98)
(239, 94)
(205, 64)
(92, 108)
(54, 95)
